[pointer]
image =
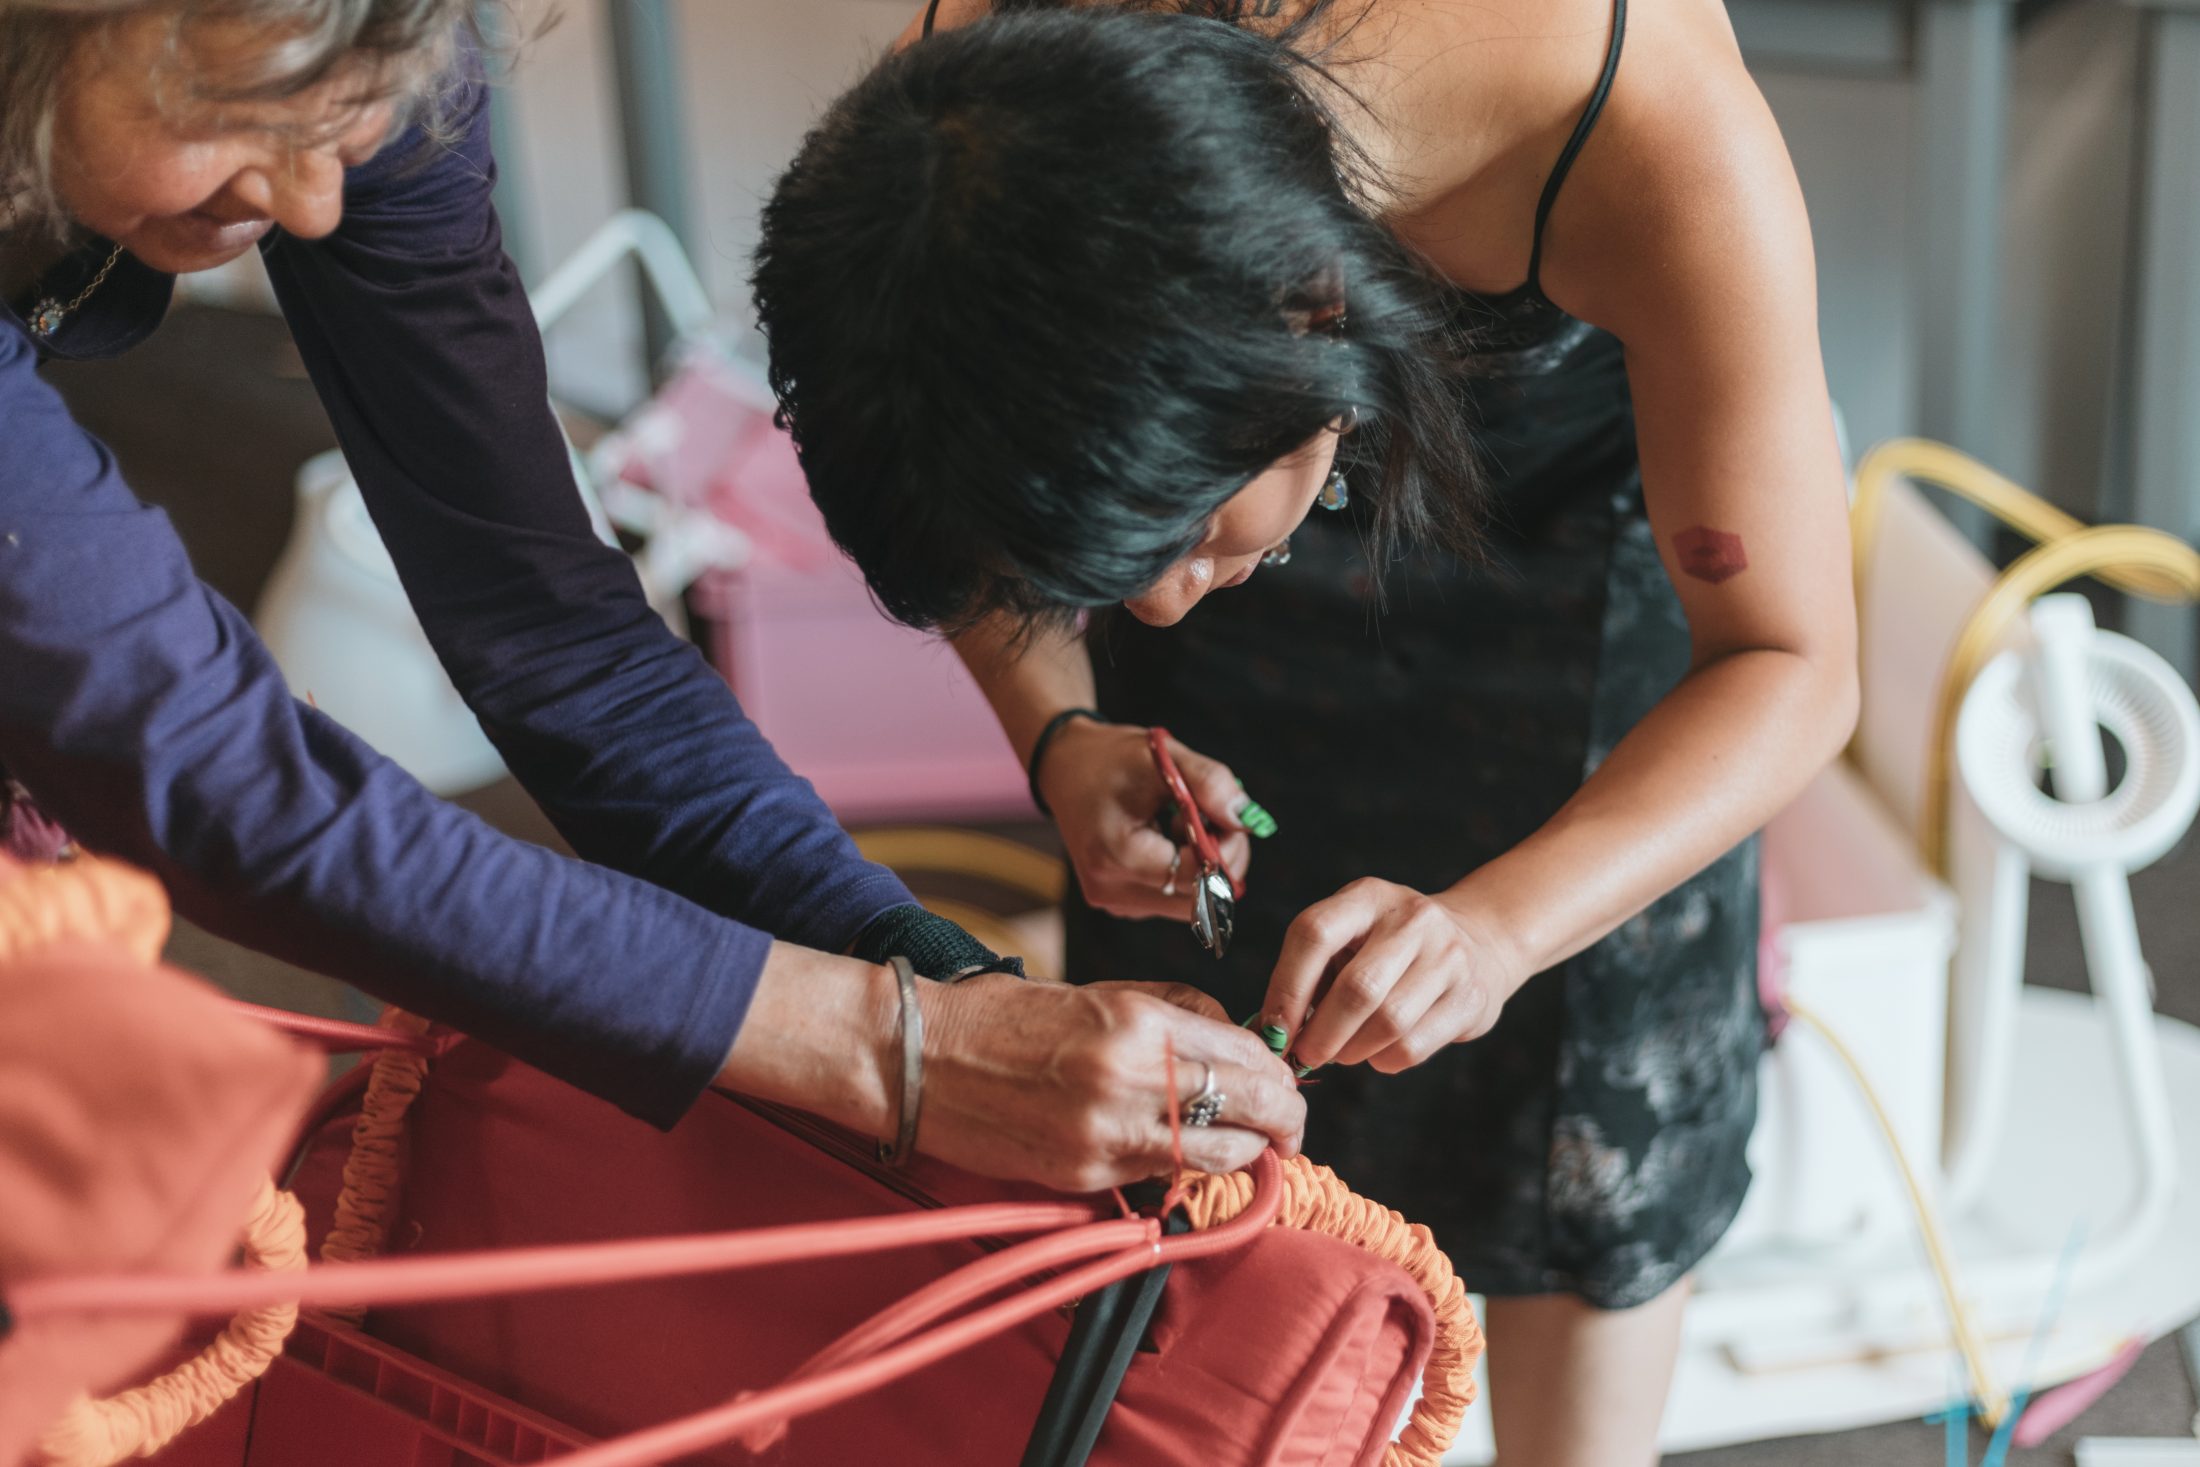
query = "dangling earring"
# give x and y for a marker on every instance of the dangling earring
(1336, 494)
(1281, 555)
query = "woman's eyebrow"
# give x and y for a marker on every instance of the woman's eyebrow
(277, 117)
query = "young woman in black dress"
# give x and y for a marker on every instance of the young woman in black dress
(1084, 307)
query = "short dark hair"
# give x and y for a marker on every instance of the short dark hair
(1042, 292)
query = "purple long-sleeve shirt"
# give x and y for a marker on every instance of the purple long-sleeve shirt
(139, 708)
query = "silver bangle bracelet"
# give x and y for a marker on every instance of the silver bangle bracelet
(977, 970)
(904, 1145)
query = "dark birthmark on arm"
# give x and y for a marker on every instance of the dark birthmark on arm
(1710, 555)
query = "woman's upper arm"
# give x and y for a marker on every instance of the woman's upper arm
(422, 344)
(1689, 241)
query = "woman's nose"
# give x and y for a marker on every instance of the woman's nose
(303, 193)
(1179, 591)
(1153, 610)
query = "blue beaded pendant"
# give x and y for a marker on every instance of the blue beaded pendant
(1336, 494)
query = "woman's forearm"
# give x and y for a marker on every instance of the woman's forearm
(1724, 752)
(1027, 679)
(818, 1035)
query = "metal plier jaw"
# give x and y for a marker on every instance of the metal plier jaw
(1216, 894)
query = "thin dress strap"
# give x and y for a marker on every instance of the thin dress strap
(931, 14)
(1582, 129)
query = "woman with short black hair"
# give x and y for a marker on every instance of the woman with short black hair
(1475, 347)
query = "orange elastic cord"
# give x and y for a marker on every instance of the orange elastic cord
(943, 1296)
(374, 1172)
(1177, 1182)
(426, 1279)
(976, 1280)
(799, 1398)
(139, 1422)
(784, 1402)
(333, 1035)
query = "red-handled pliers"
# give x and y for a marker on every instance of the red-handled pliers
(1216, 894)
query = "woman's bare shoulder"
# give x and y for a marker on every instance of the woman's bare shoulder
(1484, 95)
(1686, 179)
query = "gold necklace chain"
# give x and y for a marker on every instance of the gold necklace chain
(48, 314)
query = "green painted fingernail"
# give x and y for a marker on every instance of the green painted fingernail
(1275, 1036)
(1256, 821)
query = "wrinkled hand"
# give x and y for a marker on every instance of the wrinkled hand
(1068, 1085)
(1391, 976)
(1106, 795)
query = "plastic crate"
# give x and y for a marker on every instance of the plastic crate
(335, 1398)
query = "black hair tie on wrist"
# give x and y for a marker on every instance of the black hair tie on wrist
(1039, 750)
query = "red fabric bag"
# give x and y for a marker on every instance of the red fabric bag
(138, 1116)
(1297, 1349)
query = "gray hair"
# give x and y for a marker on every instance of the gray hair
(402, 46)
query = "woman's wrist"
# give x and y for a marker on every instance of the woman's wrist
(1557, 893)
(812, 1015)
(1492, 913)
(1053, 730)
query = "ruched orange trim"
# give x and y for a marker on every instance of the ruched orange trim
(1314, 1199)
(374, 1173)
(103, 901)
(139, 1422)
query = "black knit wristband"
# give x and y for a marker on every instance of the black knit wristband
(1039, 750)
(939, 949)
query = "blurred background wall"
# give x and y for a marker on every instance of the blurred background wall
(752, 73)
(756, 71)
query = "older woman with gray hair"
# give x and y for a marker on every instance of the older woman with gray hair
(720, 928)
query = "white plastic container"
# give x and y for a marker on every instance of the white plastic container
(346, 638)
(1865, 935)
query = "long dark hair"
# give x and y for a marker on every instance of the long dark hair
(1042, 292)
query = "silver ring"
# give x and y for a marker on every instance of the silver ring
(1205, 1107)
(1176, 859)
